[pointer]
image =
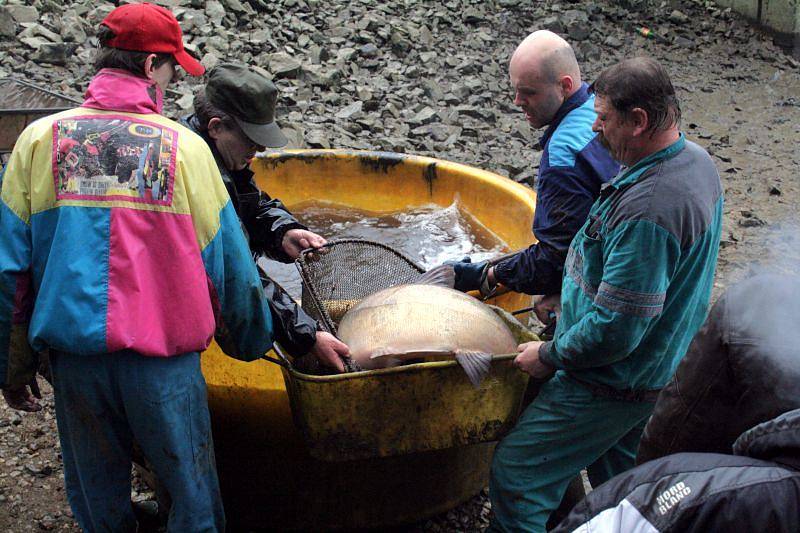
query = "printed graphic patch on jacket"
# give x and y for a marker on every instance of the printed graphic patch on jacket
(114, 158)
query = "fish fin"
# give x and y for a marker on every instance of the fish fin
(475, 364)
(442, 275)
(408, 354)
(386, 351)
(382, 352)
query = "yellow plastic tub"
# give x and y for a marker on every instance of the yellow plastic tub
(406, 409)
(269, 476)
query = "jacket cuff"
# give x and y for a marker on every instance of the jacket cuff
(276, 251)
(547, 356)
(299, 343)
(502, 272)
(22, 360)
(281, 230)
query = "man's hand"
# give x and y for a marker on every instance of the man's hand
(23, 399)
(528, 361)
(547, 308)
(469, 275)
(297, 240)
(330, 350)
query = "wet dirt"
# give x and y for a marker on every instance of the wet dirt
(751, 127)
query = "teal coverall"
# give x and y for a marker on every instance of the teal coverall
(636, 288)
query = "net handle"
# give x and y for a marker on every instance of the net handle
(282, 360)
(299, 263)
(301, 258)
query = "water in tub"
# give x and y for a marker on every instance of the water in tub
(429, 235)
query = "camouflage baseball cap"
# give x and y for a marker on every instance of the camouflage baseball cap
(249, 98)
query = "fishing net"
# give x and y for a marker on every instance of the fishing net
(339, 275)
(343, 272)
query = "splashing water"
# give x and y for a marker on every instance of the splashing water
(429, 235)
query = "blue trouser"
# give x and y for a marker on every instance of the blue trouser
(565, 429)
(103, 403)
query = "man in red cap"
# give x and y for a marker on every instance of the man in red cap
(121, 254)
(148, 28)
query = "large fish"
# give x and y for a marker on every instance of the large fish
(425, 322)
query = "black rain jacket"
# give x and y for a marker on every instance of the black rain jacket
(265, 221)
(742, 368)
(756, 489)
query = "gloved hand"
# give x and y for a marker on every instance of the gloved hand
(469, 275)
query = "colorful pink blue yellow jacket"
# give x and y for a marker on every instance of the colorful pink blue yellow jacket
(117, 233)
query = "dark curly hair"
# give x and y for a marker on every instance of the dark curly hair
(641, 82)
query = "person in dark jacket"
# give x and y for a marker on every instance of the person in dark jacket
(235, 115)
(574, 165)
(755, 489)
(742, 368)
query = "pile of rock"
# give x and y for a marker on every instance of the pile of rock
(403, 76)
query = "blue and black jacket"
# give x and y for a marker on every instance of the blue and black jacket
(573, 167)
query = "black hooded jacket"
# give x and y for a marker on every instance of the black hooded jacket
(756, 489)
(742, 368)
(265, 221)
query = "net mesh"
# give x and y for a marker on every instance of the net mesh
(339, 275)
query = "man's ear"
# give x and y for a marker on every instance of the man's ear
(567, 84)
(639, 119)
(214, 126)
(148, 66)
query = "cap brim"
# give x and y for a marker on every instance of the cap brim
(269, 135)
(192, 66)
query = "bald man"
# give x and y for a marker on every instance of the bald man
(636, 287)
(548, 88)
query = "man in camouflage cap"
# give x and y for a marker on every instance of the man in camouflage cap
(235, 115)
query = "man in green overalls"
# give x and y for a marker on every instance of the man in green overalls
(636, 288)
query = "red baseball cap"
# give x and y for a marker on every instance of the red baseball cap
(150, 28)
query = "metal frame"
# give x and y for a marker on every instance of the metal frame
(300, 264)
(34, 111)
(20, 111)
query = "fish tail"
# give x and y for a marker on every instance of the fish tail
(475, 364)
(442, 275)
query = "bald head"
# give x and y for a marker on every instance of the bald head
(544, 73)
(548, 56)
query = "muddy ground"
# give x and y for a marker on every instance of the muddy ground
(740, 99)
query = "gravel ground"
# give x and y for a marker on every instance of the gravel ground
(430, 78)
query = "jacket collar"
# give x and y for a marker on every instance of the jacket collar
(776, 440)
(120, 90)
(629, 175)
(577, 99)
(237, 176)
(633, 173)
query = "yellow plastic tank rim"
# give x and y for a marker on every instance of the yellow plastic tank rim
(412, 368)
(509, 185)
